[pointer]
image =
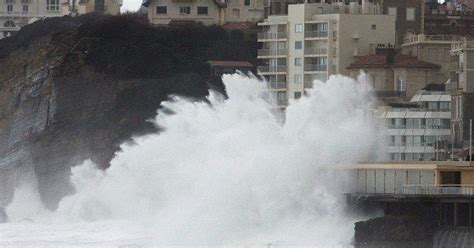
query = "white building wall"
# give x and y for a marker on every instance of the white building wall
(348, 35)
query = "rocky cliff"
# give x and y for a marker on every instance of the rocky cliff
(76, 88)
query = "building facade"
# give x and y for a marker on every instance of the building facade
(15, 14)
(422, 130)
(461, 87)
(207, 12)
(450, 18)
(315, 41)
(409, 17)
(392, 75)
(433, 49)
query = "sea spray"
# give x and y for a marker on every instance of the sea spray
(227, 171)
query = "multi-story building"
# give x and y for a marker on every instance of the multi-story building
(449, 18)
(15, 14)
(315, 41)
(207, 12)
(395, 75)
(74, 7)
(433, 49)
(461, 87)
(421, 130)
(409, 17)
(280, 7)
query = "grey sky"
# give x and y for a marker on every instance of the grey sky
(131, 5)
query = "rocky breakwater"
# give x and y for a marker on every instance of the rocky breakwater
(76, 88)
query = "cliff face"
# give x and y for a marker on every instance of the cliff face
(76, 88)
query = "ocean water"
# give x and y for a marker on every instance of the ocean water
(227, 172)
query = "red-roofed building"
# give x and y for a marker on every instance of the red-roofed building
(395, 75)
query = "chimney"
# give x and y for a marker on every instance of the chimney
(390, 56)
(389, 53)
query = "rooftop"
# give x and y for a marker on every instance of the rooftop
(379, 61)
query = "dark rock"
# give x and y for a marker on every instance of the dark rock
(394, 229)
(77, 88)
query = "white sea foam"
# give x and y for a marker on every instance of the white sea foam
(231, 172)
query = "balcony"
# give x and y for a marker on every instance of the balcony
(389, 93)
(272, 52)
(316, 34)
(431, 39)
(315, 68)
(445, 189)
(10, 29)
(272, 69)
(14, 14)
(277, 85)
(315, 51)
(464, 43)
(272, 36)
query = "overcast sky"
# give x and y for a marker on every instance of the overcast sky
(131, 5)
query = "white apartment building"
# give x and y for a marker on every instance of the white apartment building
(315, 41)
(419, 132)
(207, 12)
(15, 14)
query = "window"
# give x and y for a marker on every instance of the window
(236, 13)
(185, 10)
(410, 14)
(9, 1)
(9, 8)
(25, 8)
(297, 95)
(52, 5)
(298, 45)
(298, 78)
(247, 2)
(202, 10)
(298, 61)
(374, 26)
(298, 28)
(161, 10)
(392, 11)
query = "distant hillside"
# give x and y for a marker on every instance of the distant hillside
(76, 88)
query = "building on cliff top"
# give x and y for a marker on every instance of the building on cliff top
(207, 12)
(15, 14)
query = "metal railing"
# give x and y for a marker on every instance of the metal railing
(272, 36)
(433, 38)
(279, 68)
(389, 93)
(272, 52)
(315, 51)
(315, 67)
(316, 34)
(445, 189)
(9, 29)
(463, 44)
